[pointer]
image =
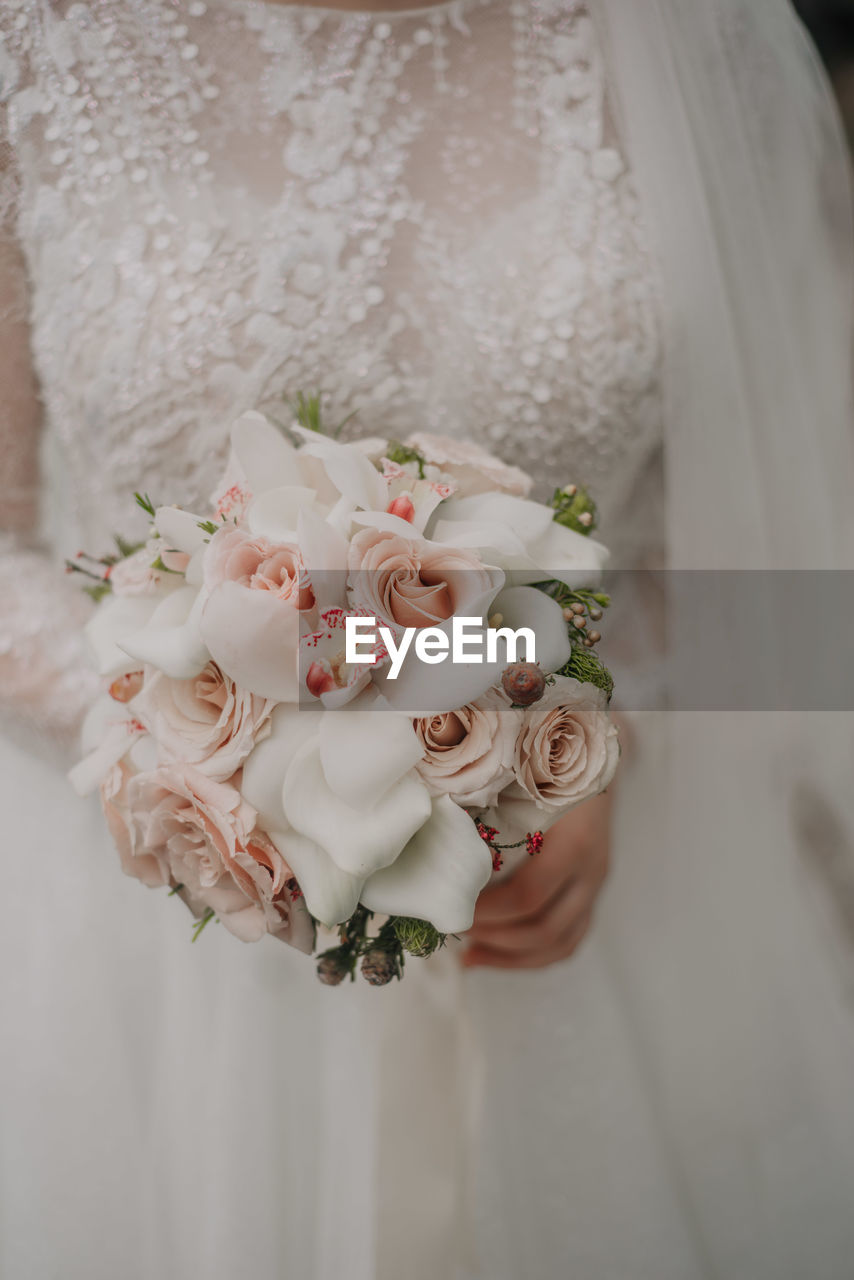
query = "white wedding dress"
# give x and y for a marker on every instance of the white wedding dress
(431, 216)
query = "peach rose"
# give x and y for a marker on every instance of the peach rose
(468, 754)
(149, 867)
(567, 748)
(205, 833)
(410, 582)
(471, 468)
(207, 721)
(254, 562)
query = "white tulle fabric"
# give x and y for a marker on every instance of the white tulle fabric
(435, 217)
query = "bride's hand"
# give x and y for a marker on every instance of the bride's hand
(541, 913)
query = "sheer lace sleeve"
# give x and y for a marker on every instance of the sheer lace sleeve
(44, 680)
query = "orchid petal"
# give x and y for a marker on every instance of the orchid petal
(266, 458)
(387, 522)
(115, 619)
(324, 554)
(527, 607)
(364, 753)
(254, 636)
(439, 874)
(353, 475)
(421, 689)
(528, 520)
(109, 732)
(359, 840)
(171, 640)
(180, 529)
(330, 894)
(569, 556)
(275, 513)
(264, 770)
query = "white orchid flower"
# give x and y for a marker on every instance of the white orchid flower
(521, 537)
(422, 690)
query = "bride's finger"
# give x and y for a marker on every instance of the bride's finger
(550, 928)
(538, 958)
(526, 893)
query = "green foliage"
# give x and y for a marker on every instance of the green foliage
(585, 665)
(307, 411)
(575, 509)
(403, 454)
(417, 937)
(143, 500)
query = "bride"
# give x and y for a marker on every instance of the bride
(610, 240)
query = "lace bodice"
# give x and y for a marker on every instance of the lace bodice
(426, 215)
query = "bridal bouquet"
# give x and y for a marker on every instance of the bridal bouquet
(316, 711)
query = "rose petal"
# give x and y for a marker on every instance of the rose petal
(439, 874)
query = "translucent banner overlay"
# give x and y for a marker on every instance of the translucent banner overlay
(711, 640)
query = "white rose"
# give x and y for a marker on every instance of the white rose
(470, 467)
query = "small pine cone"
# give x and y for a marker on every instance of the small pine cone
(332, 968)
(378, 967)
(524, 683)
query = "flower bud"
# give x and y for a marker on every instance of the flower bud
(126, 687)
(403, 507)
(319, 679)
(524, 683)
(332, 967)
(379, 966)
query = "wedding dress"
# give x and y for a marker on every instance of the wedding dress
(433, 217)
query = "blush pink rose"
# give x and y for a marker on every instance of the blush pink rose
(206, 834)
(261, 565)
(410, 582)
(472, 469)
(567, 749)
(207, 721)
(151, 868)
(468, 754)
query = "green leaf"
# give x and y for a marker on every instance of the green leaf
(575, 509)
(307, 411)
(403, 454)
(143, 500)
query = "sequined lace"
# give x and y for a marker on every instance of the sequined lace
(426, 215)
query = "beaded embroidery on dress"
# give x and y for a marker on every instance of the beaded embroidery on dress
(426, 216)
